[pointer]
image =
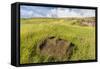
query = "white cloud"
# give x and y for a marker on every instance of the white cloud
(29, 11)
(89, 13)
(62, 12)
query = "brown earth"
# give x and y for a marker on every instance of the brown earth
(88, 24)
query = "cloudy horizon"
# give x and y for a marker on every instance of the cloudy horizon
(54, 12)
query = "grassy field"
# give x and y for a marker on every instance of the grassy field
(35, 30)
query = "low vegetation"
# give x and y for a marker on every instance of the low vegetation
(77, 31)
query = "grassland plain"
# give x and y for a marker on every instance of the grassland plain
(35, 30)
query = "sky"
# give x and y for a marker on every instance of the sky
(54, 12)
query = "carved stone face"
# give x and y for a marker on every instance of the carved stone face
(56, 48)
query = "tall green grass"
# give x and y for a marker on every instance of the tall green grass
(33, 31)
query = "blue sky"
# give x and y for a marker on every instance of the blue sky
(53, 12)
